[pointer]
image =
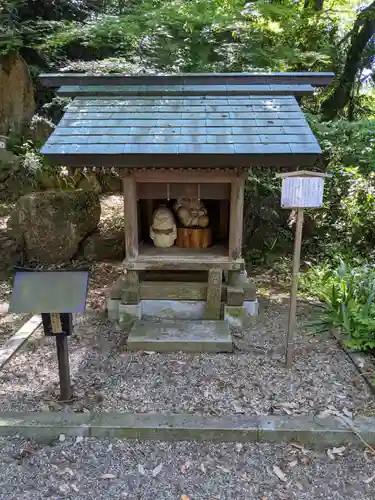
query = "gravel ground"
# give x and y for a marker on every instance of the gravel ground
(103, 469)
(253, 380)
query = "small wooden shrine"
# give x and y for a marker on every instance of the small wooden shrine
(183, 145)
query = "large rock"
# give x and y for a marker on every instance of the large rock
(104, 245)
(15, 180)
(51, 225)
(17, 103)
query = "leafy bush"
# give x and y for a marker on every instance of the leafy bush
(347, 302)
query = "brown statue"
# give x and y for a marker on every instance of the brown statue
(191, 212)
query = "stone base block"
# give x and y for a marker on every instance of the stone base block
(113, 309)
(180, 336)
(252, 307)
(177, 309)
(173, 309)
(127, 313)
(237, 315)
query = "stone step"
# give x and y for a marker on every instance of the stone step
(180, 336)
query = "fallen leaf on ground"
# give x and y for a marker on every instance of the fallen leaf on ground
(224, 469)
(335, 451)
(238, 408)
(107, 476)
(338, 451)
(62, 438)
(305, 460)
(182, 468)
(141, 469)
(299, 486)
(369, 479)
(279, 473)
(299, 447)
(74, 487)
(157, 470)
(293, 463)
(287, 411)
(203, 468)
(66, 471)
(110, 446)
(324, 414)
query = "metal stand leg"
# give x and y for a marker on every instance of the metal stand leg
(66, 393)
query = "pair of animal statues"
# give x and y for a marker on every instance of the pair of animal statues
(191, 212)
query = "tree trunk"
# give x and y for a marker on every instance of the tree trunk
(363, 31)
(314, 4)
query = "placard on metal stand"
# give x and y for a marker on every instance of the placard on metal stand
(301, 189)
(56, 295)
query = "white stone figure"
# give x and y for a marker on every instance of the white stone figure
(191, 212)
(163, 231)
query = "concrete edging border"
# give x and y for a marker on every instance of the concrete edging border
(308, 430)
(11, 346)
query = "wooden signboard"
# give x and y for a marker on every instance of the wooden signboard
(300, 190)
(56, 295)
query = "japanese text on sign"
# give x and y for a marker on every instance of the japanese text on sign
(302, 192)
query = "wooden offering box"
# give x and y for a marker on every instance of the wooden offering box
(197, 238)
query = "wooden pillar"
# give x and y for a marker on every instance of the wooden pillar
(213, 306)
(224, 213)
(131, 291)
(236, 218)
(130, 218)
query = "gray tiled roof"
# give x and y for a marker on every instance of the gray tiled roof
(235, 125)
(187, 90)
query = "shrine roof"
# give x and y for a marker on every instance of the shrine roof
(234, 123)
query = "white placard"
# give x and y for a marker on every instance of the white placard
(2, 144)
(302, 192)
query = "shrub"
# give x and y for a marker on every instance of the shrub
(347, 302)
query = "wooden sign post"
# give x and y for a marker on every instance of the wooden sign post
(300, 190)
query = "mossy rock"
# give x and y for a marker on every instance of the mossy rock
(104, 245)
(51, 225)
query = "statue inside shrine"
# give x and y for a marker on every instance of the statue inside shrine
(191, 212)
(163, 231)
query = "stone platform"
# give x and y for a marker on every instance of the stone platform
(180, 335)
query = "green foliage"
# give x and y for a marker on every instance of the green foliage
(347, 302)
(348, 216)
(141, 36)
(204, 35)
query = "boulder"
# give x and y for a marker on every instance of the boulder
(14, 179)
(17, 103)
(51, 225)
(104, 245)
